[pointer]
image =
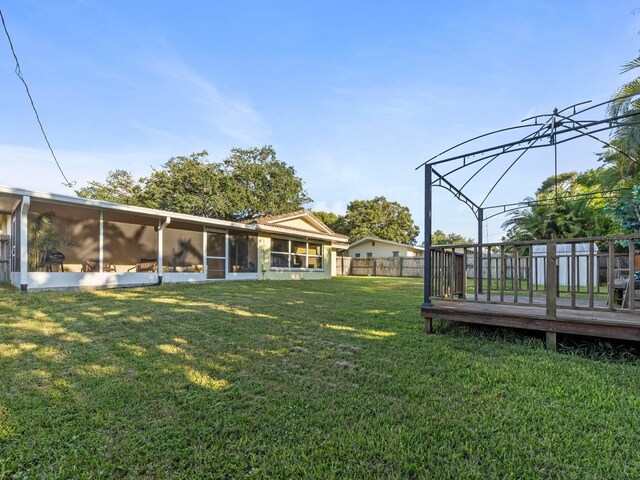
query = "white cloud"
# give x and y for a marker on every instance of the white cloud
(329, 206)
(34, 168)
(234, 117)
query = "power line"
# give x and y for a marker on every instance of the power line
(18, 71)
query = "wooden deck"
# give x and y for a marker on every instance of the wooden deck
(621, 325)
(570, 286)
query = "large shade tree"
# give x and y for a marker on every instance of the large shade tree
(380, 218)
(259, 184)
(118, 187)
(247, 184)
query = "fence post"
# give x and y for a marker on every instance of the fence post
(401, 262)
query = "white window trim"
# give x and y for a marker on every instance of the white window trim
(290, 255)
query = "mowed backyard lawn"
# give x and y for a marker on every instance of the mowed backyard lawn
(308, 379)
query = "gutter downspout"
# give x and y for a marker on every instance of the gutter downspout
(24, 243)
(160, 230)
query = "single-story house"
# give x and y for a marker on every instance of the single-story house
(60, 241)
(375, 247)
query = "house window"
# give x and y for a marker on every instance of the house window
(373, 244)
(395, 253)
(369, 254)
(357, 255)
(294, 254)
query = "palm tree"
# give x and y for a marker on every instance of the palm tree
(626, 138)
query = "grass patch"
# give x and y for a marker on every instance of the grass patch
(317, 379)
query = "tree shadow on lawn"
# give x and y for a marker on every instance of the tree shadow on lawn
(126, 368)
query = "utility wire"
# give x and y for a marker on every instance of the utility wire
(18, 71)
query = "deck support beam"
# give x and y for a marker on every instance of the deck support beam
(428, 325)
(551, 343)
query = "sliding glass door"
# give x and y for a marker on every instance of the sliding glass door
(232, 255)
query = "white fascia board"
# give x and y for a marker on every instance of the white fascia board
(115, 207)
(162, 214)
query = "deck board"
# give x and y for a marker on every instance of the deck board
(601, 323)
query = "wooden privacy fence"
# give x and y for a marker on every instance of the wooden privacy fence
(386, 267)
(4, 258)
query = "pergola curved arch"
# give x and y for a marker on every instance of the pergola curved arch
(549, 130)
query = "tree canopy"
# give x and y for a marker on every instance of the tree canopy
(334, 221)
(119, 187)
(249, 183)
(440, 238)
(377, 217)
(382, 219)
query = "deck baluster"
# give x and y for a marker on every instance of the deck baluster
(610, 277)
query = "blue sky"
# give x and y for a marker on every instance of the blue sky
(353, 94)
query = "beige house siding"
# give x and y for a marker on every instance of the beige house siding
(383, 250)
(267, 273)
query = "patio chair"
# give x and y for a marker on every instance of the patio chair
(53, 258)
(146, 265)
(91, 266)
(94, 266)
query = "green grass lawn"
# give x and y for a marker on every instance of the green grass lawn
(315, 379)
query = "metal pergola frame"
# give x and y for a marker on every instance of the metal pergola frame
(548, 130)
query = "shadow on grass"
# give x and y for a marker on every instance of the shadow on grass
(125, 366)
(595, 348)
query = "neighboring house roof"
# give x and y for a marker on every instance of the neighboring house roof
(301, 220)
(10, 198)
(388, 242)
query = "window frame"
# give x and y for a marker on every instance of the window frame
(290, 254)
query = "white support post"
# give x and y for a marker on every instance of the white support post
(24, 243)
(101, 242)
(161, 226)
(204, 251)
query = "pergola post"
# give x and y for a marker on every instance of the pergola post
(427, 235)
(479, 258)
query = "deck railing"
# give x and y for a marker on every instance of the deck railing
(583, 273)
